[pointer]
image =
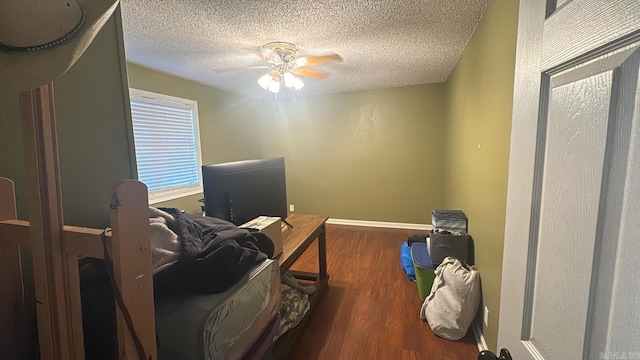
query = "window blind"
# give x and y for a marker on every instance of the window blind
(166, 145)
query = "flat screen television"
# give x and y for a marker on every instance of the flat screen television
(240, 191)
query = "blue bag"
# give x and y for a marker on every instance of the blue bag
(406, 262)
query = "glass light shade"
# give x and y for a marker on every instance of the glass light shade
(265, 80)
(293, 81)
(274, 86)
(289, 79)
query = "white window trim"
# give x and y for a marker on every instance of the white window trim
(182, 191)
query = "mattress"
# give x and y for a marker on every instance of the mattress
(219, 326)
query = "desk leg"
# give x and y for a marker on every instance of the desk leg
(322, 254)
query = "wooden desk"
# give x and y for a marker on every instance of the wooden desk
(295, 241)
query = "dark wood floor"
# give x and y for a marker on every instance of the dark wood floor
(371, 310)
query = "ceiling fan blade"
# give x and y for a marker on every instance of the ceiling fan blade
(310, 73)
(317, 60)
(241, 68)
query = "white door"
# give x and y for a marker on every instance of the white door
(570, 283)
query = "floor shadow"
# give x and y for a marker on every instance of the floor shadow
(320, 325)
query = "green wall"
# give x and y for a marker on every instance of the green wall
(366, 155)
(360, 155)
(479, 93)
(11, 154)
(226, 121)
(93, 132)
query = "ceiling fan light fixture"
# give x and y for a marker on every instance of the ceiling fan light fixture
(289, 79)
(285, 68)
(293, 81)
(265, 80)
(274, 86)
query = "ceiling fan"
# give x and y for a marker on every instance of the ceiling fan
(285, 67)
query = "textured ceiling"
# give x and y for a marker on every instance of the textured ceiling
(384, 43)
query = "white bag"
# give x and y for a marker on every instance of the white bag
(454, 299)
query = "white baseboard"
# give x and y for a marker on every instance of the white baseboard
(380, 224)
(477, 333)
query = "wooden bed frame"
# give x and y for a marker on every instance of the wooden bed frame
(129, 249)
(51, 295)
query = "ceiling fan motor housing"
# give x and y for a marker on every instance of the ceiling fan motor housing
(283, 48)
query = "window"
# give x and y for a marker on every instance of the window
(167, 145)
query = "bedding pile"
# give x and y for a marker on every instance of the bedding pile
(201, 255)
(191, 254)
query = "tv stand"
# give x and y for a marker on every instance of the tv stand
(295, 242)
(287, 223)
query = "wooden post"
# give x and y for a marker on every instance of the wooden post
(131, 255)
(15, 334)
(74, 305)
(45, 215)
